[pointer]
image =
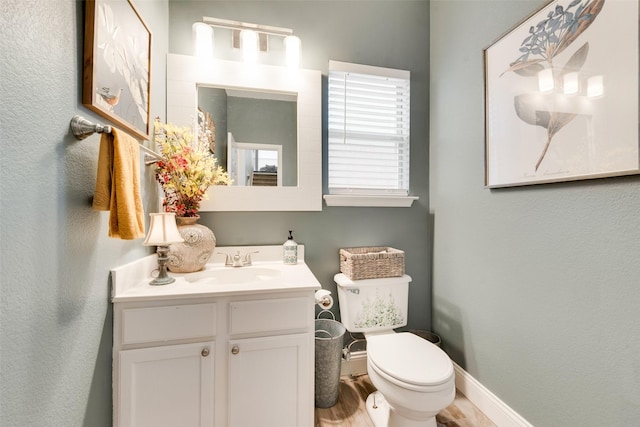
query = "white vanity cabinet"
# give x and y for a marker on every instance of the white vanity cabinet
(225, 358)
(164, 364)
(224, 361)
(271, 375)
(167, 386)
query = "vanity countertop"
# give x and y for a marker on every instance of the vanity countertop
(267, 274)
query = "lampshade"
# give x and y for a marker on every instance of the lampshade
(162, 230)
(249, 46)
(292, 49)
(202, 40)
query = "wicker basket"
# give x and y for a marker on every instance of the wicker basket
(371, 262)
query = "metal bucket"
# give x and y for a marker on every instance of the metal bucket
(329, 342)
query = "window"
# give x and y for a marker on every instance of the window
(368, 130)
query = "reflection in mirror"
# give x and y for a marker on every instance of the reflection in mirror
(256, 119)
(185, 74)
(254, 164)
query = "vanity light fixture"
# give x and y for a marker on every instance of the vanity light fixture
(162, 232)
(254, 38)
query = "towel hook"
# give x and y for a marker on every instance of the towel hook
(82, 127)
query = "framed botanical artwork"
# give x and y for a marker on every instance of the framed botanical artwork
(117, 66)
(561, 95)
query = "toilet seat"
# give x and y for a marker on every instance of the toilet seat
(409, 361)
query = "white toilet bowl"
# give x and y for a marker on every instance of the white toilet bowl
(414, 378)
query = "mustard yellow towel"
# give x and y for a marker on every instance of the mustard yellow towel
(118, 185)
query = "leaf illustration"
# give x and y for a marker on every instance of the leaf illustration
(528, 111)
(582, 21)
(527, 69)
(557, 121)
(577, 60)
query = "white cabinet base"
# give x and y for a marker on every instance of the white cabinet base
(167, 386)
(162, 377)
(267, 378)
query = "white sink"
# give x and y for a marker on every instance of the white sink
(268, 273)
(221, 274)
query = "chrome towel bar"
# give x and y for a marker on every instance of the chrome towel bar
(82, 128)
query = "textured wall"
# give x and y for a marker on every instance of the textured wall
(383, 33)
(55, 315)
(535, 288)
(55, 329)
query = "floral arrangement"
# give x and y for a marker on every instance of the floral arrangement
(187, 170)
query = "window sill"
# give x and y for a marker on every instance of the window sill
(369, 201)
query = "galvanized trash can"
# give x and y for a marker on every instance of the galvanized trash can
(329, 342)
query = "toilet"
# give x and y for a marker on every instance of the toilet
(414, 378)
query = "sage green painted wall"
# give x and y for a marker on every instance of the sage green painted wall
(391, 34)
(55, 328)
(55, 314)
(535, 288)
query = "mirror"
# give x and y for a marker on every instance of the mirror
(303, 191)
(265, 122)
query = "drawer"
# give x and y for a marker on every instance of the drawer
(174, 322)
(270, 315)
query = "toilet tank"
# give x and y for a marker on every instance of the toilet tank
(373, 305)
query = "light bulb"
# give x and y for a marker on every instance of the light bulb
(249, 46)
(202, 40)
(545, 80)
(292, 47)
(570, 84)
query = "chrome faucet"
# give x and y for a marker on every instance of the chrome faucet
(236, 260)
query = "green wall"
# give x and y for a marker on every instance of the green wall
(55, 318)
(55, 315)
(391, 34)
(535, 289)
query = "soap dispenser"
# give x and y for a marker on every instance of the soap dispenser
(290, 250)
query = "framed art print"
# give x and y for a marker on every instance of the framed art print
(561, 95)
(117, 58)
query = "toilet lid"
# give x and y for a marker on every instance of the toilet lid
(409, 358)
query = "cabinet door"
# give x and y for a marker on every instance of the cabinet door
(270, 382)
(167, 386)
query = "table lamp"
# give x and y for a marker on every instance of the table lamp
(162, 232)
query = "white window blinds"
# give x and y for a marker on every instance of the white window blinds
(368, 129)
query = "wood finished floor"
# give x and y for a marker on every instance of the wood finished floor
(350, 410)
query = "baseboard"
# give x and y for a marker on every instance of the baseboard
(488, 403)
(356, 365)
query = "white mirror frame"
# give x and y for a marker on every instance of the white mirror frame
(185, 73)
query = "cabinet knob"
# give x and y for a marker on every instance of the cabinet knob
(235, 349)
(205, 352)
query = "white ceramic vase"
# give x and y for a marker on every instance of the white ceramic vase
(198, 246)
